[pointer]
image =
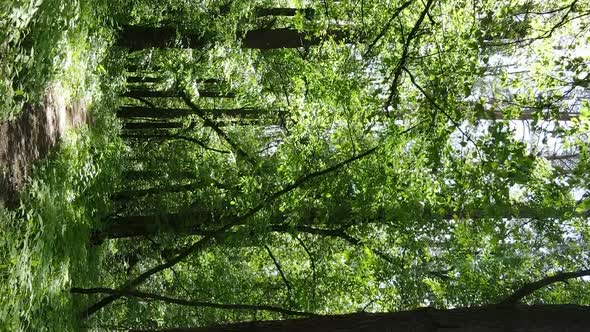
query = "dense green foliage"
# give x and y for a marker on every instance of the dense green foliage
(408, 154)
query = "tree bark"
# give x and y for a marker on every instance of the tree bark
(147, 93)
(170, 113)
(185, 222)
(524, 115)
(282, 11)
(151, 125)
(154, 79)
(267, 39)
(494, 318)
(141, 37)
(310, 217)
(133, 175)
(143, 79)
(137, 38)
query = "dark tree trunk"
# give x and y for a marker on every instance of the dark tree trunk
(129, 112)
(278, 11)
(133, 175)
(143, 79)
(137, 38)
(141, 37)
(186, 222)
(495, 318)
(147, 93)
(152, 79)
(170, 113)
(131, 194)
(152, 125)
(314, 217)
(266, 39)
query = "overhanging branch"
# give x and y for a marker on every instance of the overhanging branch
(528, 289)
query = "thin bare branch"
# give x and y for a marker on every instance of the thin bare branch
(278, 266)
(189, 303)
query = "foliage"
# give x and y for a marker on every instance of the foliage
(44, 242)
(420, 153)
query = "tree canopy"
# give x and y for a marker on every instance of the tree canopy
(288, 159)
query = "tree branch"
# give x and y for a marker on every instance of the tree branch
(404, 58)
(312, 263)
(533, 286)
(229, 222)
(387, 26)
(336, 233)
(189, 303)
(278, 266)
(439, 108)
(215, 127)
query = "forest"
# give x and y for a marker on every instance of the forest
(295, 165)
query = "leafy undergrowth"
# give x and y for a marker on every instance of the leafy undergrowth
(43, 41)
(44, 244)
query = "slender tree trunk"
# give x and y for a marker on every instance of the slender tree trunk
(143, 79)
(281, 11)
(170, 113)
(524, 115)
(153, 79)
(311, 217)
(133, 175)
(151, 125)
(185, 222)
(147, 93)
(494, 318)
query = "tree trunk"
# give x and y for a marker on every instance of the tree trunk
(143, 79)
(140, 37)
(133, 175)
(525, 115)
(152, 79)
(170, 113)
(151, 125)
(266, 39)
(147, 93)
(493, 318)
(279, 11)
(312, 217)
(185, 222)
